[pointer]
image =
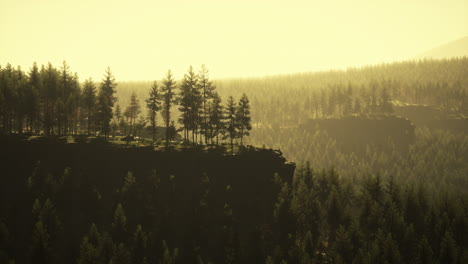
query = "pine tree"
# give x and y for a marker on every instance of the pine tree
(64, 91)
(89, 102)
(184, 100)
(133, 111)
(168, 99)
(47, 215)
(343, 247)
(119, 224)
(74, 104)
(33, 101)
(153, 104)
(190, 104)
(20, 104)
(140, 239)
(129, 183)
(94, 237)
(49, 97)
(231, 121)
(207, 88)
(216, 125)
(41, 250)
(243, 118)
(106, 102)
(89, 253)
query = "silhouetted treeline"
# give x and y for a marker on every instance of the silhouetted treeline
(52, 101)
(136, 205)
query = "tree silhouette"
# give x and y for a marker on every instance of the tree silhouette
(216, 117)
(41, 249)
(231, 122)
(243, 117)
(153, 104)
(168, 99)
(119, 225)
(207, 88)
(189, 104)
(133, 110)
(106, 102)
(89, 103)
(140, 240)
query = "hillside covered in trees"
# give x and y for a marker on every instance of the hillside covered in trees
(406, 119)
(96, 203)
(380, 176)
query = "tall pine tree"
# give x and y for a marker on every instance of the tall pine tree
(168, 99)
(243, 118)
(231, 121)
(106, 102)
(153, 104)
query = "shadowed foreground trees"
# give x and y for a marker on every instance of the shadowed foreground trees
(233, 213)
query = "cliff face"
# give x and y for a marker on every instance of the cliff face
(169, 187)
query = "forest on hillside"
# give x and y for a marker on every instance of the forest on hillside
(431, 94)
(135, 205)
(380, 172)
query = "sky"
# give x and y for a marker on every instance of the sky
(141, 40)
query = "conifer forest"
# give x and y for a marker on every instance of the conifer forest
(270, 149)
(361, 166)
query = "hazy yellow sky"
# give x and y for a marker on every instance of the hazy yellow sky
(140, 40)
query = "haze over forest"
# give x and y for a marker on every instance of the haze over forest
(276, 132)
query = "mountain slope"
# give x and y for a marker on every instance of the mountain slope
(456, 48)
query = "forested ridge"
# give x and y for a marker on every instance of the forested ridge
(375, 182)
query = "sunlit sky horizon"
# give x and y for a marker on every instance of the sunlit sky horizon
(141, 40)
